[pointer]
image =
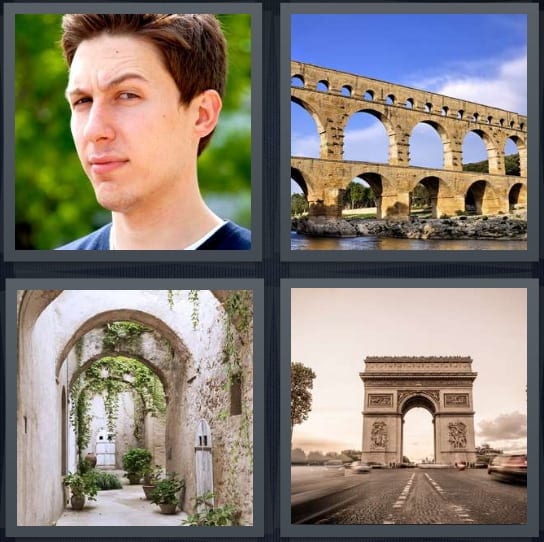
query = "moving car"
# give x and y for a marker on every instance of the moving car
(511, 466)
(359, 468)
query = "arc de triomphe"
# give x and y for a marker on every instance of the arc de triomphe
(441, 385)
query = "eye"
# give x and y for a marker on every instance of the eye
(81, 101)
(128, 96)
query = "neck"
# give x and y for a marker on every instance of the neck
(173, 225)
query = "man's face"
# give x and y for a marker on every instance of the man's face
(135, 140)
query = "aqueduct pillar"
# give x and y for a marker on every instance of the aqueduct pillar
(441, 385)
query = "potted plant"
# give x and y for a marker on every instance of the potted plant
(210, 515)
(81, 485)
(136, 462)
(151, 477)
(168, 493)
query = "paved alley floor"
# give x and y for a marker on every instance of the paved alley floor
(127, 506)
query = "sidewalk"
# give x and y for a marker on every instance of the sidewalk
(126, 506)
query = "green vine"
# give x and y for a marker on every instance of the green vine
(116, 332)
(237, 324)
(193, 298)
(109, 377)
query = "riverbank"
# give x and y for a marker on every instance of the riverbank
(461, 227)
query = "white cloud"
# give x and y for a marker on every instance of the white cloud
(503, 83)
(505, 427)
(305, 145)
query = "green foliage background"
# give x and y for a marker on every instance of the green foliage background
(54, 200)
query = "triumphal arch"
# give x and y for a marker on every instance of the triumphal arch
(441, 385)
(332, 98)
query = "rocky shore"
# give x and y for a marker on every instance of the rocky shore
(461, 227)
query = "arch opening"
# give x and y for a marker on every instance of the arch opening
(418, 438)
(426, 146)
(366, 138)
(512, 156)
(475, 197)
(307, 135)
(424, 198)
(475, 152)
(299, 193)
(359, 199)
(297, 81)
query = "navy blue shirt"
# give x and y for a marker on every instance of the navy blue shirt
(229, 237)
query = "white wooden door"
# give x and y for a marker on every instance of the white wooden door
(203, 457)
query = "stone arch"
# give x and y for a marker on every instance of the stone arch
(480, 198)
(437, 190)
(517, 196)
(389, 137)
(395, 385)
(298, 177)
(376, 183)
(297, 81)
(155, 441)
(494, 155)
(319, 124)
(49, 325)
(445, 139)
(521, 147)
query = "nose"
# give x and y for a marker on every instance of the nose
(99, 123)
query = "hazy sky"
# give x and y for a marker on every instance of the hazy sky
(476, 57)
(334, 330)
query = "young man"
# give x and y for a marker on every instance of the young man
(145, 95)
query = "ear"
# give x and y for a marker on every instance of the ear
(209, 106)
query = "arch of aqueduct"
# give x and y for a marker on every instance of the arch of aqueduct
(400, 109)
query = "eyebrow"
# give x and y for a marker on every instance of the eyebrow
(110, 84)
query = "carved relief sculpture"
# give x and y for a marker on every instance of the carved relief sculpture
(379, 435)
(376, 400)
(458, 435)
(456, 399)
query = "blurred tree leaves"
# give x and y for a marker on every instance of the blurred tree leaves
(54, 201)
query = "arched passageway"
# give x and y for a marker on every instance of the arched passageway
(195, 342)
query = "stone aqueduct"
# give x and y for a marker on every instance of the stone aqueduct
(400, 109)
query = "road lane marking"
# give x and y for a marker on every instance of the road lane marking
(401, 499)
(462, 513)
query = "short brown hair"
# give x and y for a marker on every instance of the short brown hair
(192, 46)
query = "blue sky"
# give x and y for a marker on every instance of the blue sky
(479, 57)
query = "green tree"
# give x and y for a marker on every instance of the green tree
(357, 196)
(302, 381)
(54, 201)
(299, 204)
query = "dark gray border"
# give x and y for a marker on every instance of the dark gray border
(257, 529)
(254, 254)
(533, 148)
(496, 531)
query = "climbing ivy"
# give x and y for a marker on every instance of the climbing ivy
(115, 332)
(109, 377)
(193, 299)
(238, 318)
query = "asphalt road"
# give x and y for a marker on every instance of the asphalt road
(405, 496)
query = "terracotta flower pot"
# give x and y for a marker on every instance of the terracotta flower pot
(91, 459)
(77, 502)
(168, 508)
(133, 479)
(148, 488)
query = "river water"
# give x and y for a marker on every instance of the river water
(305, 242)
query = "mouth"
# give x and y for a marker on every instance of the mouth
(105, 164)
